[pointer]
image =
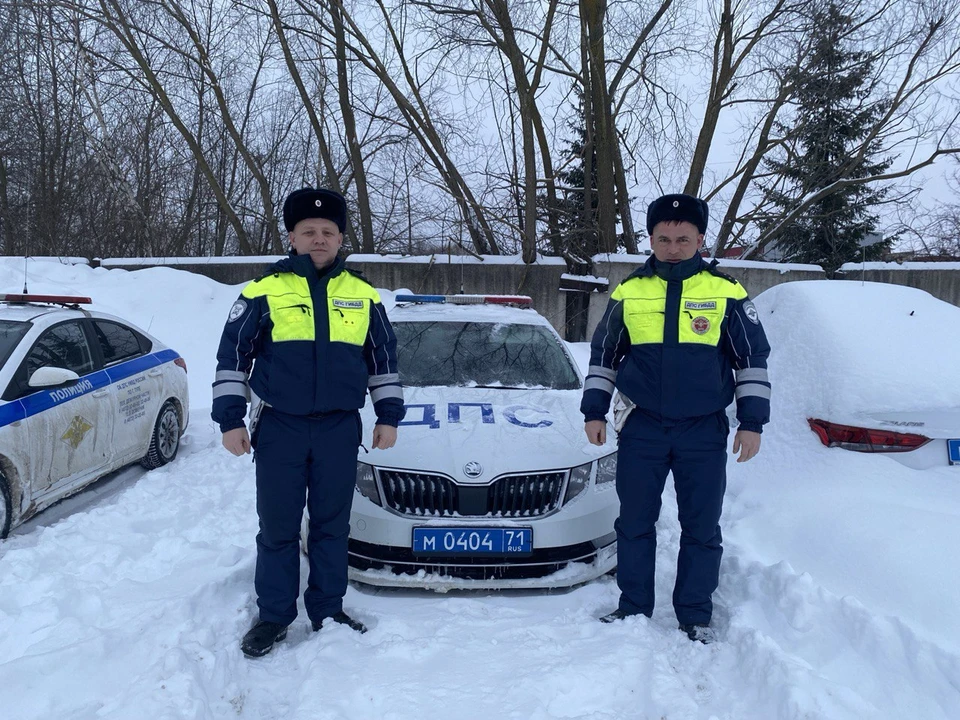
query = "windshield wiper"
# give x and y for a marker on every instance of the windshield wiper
(503, 387)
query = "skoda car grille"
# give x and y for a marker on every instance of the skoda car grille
(509, 496)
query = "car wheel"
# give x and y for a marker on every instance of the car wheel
(165, 440)
(6, 509)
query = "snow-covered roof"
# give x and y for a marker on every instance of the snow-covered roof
(433, 312)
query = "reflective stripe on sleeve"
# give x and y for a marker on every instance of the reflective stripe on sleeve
(230, 375)
(386, 391)
(603, 372)
(753, 390)
(234, 389)
(386, 378)
(599, 383)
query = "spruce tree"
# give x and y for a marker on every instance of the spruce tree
(579, 232)
(834, 115)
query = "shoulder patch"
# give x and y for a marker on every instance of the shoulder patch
(750, 310)
(237, 310)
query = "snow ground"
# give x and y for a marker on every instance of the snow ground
(837, 600)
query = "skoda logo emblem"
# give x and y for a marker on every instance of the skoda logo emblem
(473, 469)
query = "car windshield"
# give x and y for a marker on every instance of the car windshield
(11, 332)
(468, 354)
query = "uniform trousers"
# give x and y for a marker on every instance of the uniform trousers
(695, 450)
(312, 461)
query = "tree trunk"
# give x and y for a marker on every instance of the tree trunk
(350, 131)
(594, 14)
(333, 178)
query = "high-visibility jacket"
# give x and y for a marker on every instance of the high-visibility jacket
(680, 340)
(307, 343)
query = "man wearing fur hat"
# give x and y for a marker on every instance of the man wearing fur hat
(679, 340)
(307, 340)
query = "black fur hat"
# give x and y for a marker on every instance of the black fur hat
(309, 202)
(678, 207)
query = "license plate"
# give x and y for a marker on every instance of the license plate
(472, 541)
(953, 450)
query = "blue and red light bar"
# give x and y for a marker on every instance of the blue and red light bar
(55, 299)
(518, 300)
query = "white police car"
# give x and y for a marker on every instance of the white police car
(83, 393)
(492, 482)
(890, 391)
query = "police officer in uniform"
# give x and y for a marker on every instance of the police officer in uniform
(309, 339)
(679, 340)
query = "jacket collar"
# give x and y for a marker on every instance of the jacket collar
(670, 271)
(302, 265)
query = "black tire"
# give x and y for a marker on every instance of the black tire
(165, 439)
(6, 508)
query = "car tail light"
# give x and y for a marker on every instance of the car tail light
(850, 437)
(180, 362)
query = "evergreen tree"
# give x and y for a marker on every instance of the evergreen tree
(834, 116)
(579, 232)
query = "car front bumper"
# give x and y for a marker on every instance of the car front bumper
(552, 568)
(570, 546)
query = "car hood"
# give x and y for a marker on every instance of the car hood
(930, 423)
(502, 430)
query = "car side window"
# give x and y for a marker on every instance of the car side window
(63, 346)
(117, 342)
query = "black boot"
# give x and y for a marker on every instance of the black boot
(260, 638)
(618, 614)
(344, 619)
(700, 633)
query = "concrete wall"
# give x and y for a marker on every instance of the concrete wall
(449, 275)
(227, 270)
(443, 274)
(940, 279)
(431, 274)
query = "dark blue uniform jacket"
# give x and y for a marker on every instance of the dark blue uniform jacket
(307, 344)
(680, 340)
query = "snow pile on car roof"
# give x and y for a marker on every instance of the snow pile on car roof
(846, 346)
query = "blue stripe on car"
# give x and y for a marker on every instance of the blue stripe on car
(45, 399)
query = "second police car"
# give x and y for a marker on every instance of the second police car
(83, 393)
(492, 482)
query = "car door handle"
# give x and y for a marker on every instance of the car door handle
(155, 372)
(101, 393)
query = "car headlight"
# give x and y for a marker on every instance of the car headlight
(367, 483)
(579, 479)
(607, 469)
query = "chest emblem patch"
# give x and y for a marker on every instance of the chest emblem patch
(700, 325)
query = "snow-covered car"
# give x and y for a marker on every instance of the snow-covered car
(492, 482)
(83, 394)
(873, 366)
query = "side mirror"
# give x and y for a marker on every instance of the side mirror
(52, 377)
